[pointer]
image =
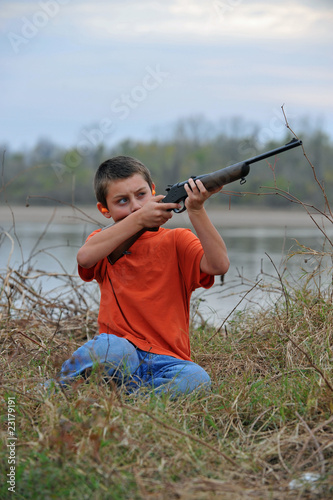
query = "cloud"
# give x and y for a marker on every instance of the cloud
(189, 20)
(181, 21)
(224, 57)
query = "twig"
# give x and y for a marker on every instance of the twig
(13, 389)
(4, 186)
(182, 433)
(282, 285)
(220, 328)
(29, 338)
(310, 163)
(294, 199)
(43, 233)
(280, 455)
(309, 359)
(29, 197)
(320, 453)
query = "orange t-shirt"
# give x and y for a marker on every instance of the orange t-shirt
(145, 295)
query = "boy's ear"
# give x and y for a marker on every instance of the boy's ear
(104, 211)
(153, 192)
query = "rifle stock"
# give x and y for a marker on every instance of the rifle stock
(214, 180)
(122, 249)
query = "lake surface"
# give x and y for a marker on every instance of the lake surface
(257, 255)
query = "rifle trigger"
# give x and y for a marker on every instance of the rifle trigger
(242, 181)
(180, 210)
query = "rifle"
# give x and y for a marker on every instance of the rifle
(177, 193)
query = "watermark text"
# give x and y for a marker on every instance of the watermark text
(11, 444)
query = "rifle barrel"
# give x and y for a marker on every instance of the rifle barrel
(294, 143)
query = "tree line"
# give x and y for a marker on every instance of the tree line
(50, 172)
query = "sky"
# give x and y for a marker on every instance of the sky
(83, 72)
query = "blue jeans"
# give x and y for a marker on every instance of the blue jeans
(127, 365)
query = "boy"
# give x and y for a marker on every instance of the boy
(143, 318)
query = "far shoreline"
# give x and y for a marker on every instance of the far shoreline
(220, 216)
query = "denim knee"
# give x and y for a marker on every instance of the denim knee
(114, 353)
(176, 376)
(196, 378)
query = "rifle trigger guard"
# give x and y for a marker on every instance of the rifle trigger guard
(242, 181)
(180, 210)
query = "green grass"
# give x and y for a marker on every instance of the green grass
(267, 420)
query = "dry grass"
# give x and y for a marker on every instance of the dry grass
(267, 421)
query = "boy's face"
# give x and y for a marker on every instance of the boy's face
(125, 196)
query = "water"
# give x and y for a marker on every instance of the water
(259, 262)
(257, 255)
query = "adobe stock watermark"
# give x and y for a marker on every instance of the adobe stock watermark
(121, 108)
(225, 7)
(31, 26)
(11, 444)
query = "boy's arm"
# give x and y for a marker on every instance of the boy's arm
(99, 246)
(215, 260)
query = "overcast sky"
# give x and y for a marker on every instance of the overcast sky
(81, 70)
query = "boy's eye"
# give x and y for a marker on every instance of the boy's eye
(122, 201)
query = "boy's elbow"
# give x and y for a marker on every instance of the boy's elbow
(222, 268)
(218, 268)
(83, 259)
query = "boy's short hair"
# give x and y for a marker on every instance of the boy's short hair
(115, 169)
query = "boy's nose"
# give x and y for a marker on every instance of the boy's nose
(135, 206)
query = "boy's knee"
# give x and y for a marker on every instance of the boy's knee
(194, 378)
(107, 346)
(201, 379)
(109, 352)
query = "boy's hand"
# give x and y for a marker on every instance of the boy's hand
(215, 258)
(197, 195)
(154, 213)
